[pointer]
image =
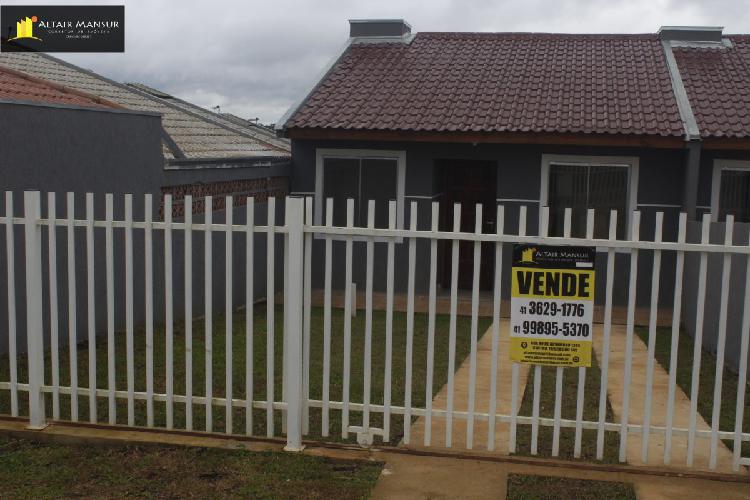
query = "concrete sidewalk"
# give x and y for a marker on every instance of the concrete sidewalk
(419, 477)
(404, 475)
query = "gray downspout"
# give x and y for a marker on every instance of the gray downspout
(692, 135)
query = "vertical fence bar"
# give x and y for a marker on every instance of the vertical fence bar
(347, 321)
(500, 228)
(651, 339)
(630, 321)
(515, 369)
(605, 340)
(307, 299)
(34, 327)
(109, 249)
(698, 340)
(387, 380)
(369, 256)
(474, 327)
(410, 322)
(53, 303)
(325, 418)
(188, 216)
(284, 336)
(431, 329)
(295, 211)
(452, 326)
(72, 326)
(208, 305)
(168, 313)
(91, 307)
(726, 271)
(742, 374)
(559, 371)
(582, 369)
(543, 231)
(129, 353)
(229, 236)
(270, 304)
(249, 312)
(675, 340)
(148, 268)
(11, 270)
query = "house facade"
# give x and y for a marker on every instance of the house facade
(651, 122)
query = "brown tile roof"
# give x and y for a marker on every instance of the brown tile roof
(18, 86)
(499, 82)
(717, 81)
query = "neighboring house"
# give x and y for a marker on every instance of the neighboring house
(202, 151)
(68, 129)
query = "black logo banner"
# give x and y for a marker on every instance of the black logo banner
(62, 28)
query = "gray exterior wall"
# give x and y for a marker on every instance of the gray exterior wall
(712, 305)
(518, 177)
(60, 149)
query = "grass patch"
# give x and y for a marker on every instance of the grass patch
(528, 487)
(569, 399)
(31, 469)
(218, 367)
(707, 377)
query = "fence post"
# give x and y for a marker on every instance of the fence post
(34, 334)
(293, 323)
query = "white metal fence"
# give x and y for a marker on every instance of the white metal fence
(149, 397)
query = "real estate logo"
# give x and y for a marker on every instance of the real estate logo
(25, 29)
(62, 28)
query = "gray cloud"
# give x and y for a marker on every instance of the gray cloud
(255, 58)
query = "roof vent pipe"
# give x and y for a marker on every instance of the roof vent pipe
(378, 27)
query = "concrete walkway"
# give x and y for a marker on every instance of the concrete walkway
(681, 419)
(482, 398)
(614, 389)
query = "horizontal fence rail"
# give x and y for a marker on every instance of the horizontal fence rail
(375, 333)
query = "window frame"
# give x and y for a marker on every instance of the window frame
(721, 165)
(629, 162)
(321, 154)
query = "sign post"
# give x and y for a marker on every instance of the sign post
(552, 305)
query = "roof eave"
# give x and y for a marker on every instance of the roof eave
(488, 137)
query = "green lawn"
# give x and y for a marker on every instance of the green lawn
(706, 381)
(259, 369)
(569, 398)
(529, 487)
(30, 469)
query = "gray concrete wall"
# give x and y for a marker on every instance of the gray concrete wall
(712, 304)
(518, 177)
(62, 149)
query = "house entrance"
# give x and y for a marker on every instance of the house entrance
(469, 182)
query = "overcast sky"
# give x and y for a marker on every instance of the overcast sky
(254, 58)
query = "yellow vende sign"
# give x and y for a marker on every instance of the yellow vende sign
(552, 305)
